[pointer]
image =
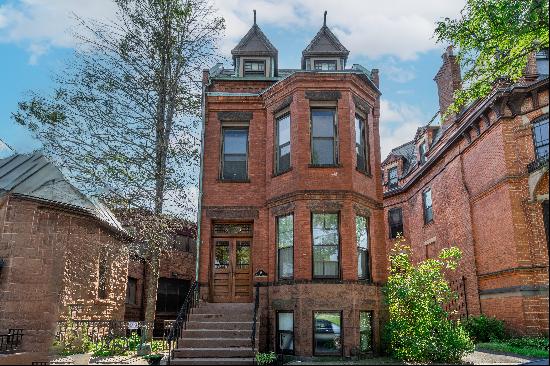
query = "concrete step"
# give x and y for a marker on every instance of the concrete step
(217, 308)
(216, 333)
(185, 342)
(213, 361)
(216, 317)
(219, 325)
(219, 352)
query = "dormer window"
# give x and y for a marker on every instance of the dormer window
(422, 152)
(392, 178)
(254, 67)
(325, 65)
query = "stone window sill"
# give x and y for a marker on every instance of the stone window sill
(281, 173)
(325, 166)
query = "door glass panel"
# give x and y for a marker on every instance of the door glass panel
(243, 254)
(222, 255)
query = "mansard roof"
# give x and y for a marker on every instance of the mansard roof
(254, 43)
(324, 43)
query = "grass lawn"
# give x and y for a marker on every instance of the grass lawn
(510, 347)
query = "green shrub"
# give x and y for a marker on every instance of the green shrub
(265, 358)
(419, 329)
(75, 341)
(484, 329)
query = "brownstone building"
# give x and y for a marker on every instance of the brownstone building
(62, 253)
(479, 180)
(291, 201)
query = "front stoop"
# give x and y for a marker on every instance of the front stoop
(216, 334)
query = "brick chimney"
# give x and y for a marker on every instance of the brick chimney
(448, 80)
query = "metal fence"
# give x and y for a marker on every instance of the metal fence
(113, 335)
(10, 342)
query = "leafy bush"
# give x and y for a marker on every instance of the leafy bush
(265, 358)
(484, 329)
(419, 329)
(75, 341)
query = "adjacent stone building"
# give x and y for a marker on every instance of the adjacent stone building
(479, 181)
(291, 199)
(62, 253)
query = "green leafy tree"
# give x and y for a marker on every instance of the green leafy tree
(123, 118)
(494, 39)
(419, 329)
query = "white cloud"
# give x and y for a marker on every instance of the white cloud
(397, 73)
(398, 124)
(401, 28)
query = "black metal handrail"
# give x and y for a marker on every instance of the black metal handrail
(538, 163)
(255, 316)
(10, 342)
(191, 301)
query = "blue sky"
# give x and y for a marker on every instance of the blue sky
(393, 36)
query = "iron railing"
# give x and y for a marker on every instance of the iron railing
(255, 316)
(10, 342)
(191, 301)
(538, 163)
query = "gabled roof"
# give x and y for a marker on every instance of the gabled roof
(254, 43)
(34, 176)
(408, 152)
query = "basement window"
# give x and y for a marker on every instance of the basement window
(327, 333)
(285, 332)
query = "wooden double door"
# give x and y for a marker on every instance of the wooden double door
(231, 270)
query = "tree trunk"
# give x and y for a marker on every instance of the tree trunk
(153, 264)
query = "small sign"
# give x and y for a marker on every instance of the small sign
(133, 325)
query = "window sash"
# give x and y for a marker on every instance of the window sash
(285, 337)
(362, 242)
(422, 152)
(320, 137)
(283, 147)
(325, 324)
(326, 245)
(427, 202)
(361, 143)
(395, 218)
(365, 331)
(234, 164)
(540, 138)
(254, 67)
(392, 177)
(325, 65)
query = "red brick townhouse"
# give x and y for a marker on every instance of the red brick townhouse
(61, 254)
(479, 181)
(291, 198)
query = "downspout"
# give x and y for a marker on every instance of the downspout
(199, 214)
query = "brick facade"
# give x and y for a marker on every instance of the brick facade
(485, 201)
(51, 269)
(302, 190)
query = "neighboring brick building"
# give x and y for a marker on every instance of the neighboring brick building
(62, 254)
(291, 198)
(479, 181)
(177, 272)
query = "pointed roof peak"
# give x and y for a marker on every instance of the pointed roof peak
(254, 43)
(325, 43)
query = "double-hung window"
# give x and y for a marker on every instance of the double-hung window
(254, 67)
(326, 242)
(325, 65)
(131, 289)
(361, 146)
(323, 137)
(362, 238)
(282, 153)
(422, 152)
(285, 332)
(395, 221)
(540, 138)
(235, 154)
(285, 246)
(427, 202)
(392, 178)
